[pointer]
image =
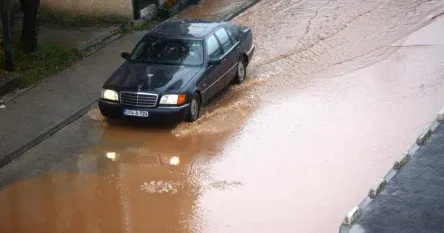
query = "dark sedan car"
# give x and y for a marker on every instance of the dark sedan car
(177, 67)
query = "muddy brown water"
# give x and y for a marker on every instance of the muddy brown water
(336, 91)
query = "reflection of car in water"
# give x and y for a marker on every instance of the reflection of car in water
(177, 67)
(149, 147)
(151, 155)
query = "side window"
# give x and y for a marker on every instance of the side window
(232, 37)
(213, 48)
(224, 39)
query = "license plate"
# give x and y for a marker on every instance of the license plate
(136, 113)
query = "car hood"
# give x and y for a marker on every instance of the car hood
(150, 77)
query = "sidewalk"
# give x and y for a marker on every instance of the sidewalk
(409, 198)
(58, 100)
(40, 112)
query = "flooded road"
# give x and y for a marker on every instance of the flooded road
(337, 90)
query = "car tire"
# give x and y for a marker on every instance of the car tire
(107, 114)
(194, 110)
(241, 72)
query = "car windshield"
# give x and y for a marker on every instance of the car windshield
(169, 51)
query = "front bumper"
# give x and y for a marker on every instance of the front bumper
(115, 110)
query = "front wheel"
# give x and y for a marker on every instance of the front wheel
(241, 71)
(108, 115)
(194, 110)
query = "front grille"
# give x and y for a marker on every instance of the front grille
(138, 99)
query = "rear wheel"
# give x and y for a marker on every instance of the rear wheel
(241, 71)
(194, 110)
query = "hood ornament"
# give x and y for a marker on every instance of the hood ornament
(139, 87)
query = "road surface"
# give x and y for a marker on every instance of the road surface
(336, 91)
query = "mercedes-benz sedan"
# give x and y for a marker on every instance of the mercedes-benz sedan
(176, 68)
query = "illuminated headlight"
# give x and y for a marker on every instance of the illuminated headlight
(110, 95)
(173, 99)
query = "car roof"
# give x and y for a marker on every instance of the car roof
(186, 28)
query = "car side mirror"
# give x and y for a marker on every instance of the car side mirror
(125, 55)
(214, 61)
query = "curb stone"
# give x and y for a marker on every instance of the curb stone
(352, 215)
(440, 116)
(239, 11)
(401, 161)
(374, 192)
(94, 42)
(94, 48)
(424, 137)
(377, 188)
(15, 154)
(11, 83)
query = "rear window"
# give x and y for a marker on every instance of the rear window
(224, 39)
(213, 47)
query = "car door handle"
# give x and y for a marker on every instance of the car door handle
(223, 60)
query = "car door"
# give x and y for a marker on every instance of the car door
(230, 57)
(210, 83)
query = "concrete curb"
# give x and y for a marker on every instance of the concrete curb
(374, 192)
(402, 160)
(15, 154)
(377, 188)
(352, 215)
(440, 116)
(112, 31)
(239, 11)
(99, 40)
(94, 48)
(11, 83)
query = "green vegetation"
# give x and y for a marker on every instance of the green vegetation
(47, 61)
(73, 19)
(147, 25)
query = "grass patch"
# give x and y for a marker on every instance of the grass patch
(47, 61)
(147, 25)
(68, 18)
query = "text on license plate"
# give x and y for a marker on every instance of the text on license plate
(137, 113)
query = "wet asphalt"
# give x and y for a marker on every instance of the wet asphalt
(336, 91)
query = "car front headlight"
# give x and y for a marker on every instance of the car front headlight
(110, 95)
(173, 99)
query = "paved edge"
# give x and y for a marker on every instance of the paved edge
(402, 160)
(113, 30)
(17, 153)
(11, 84)
(239, 11)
